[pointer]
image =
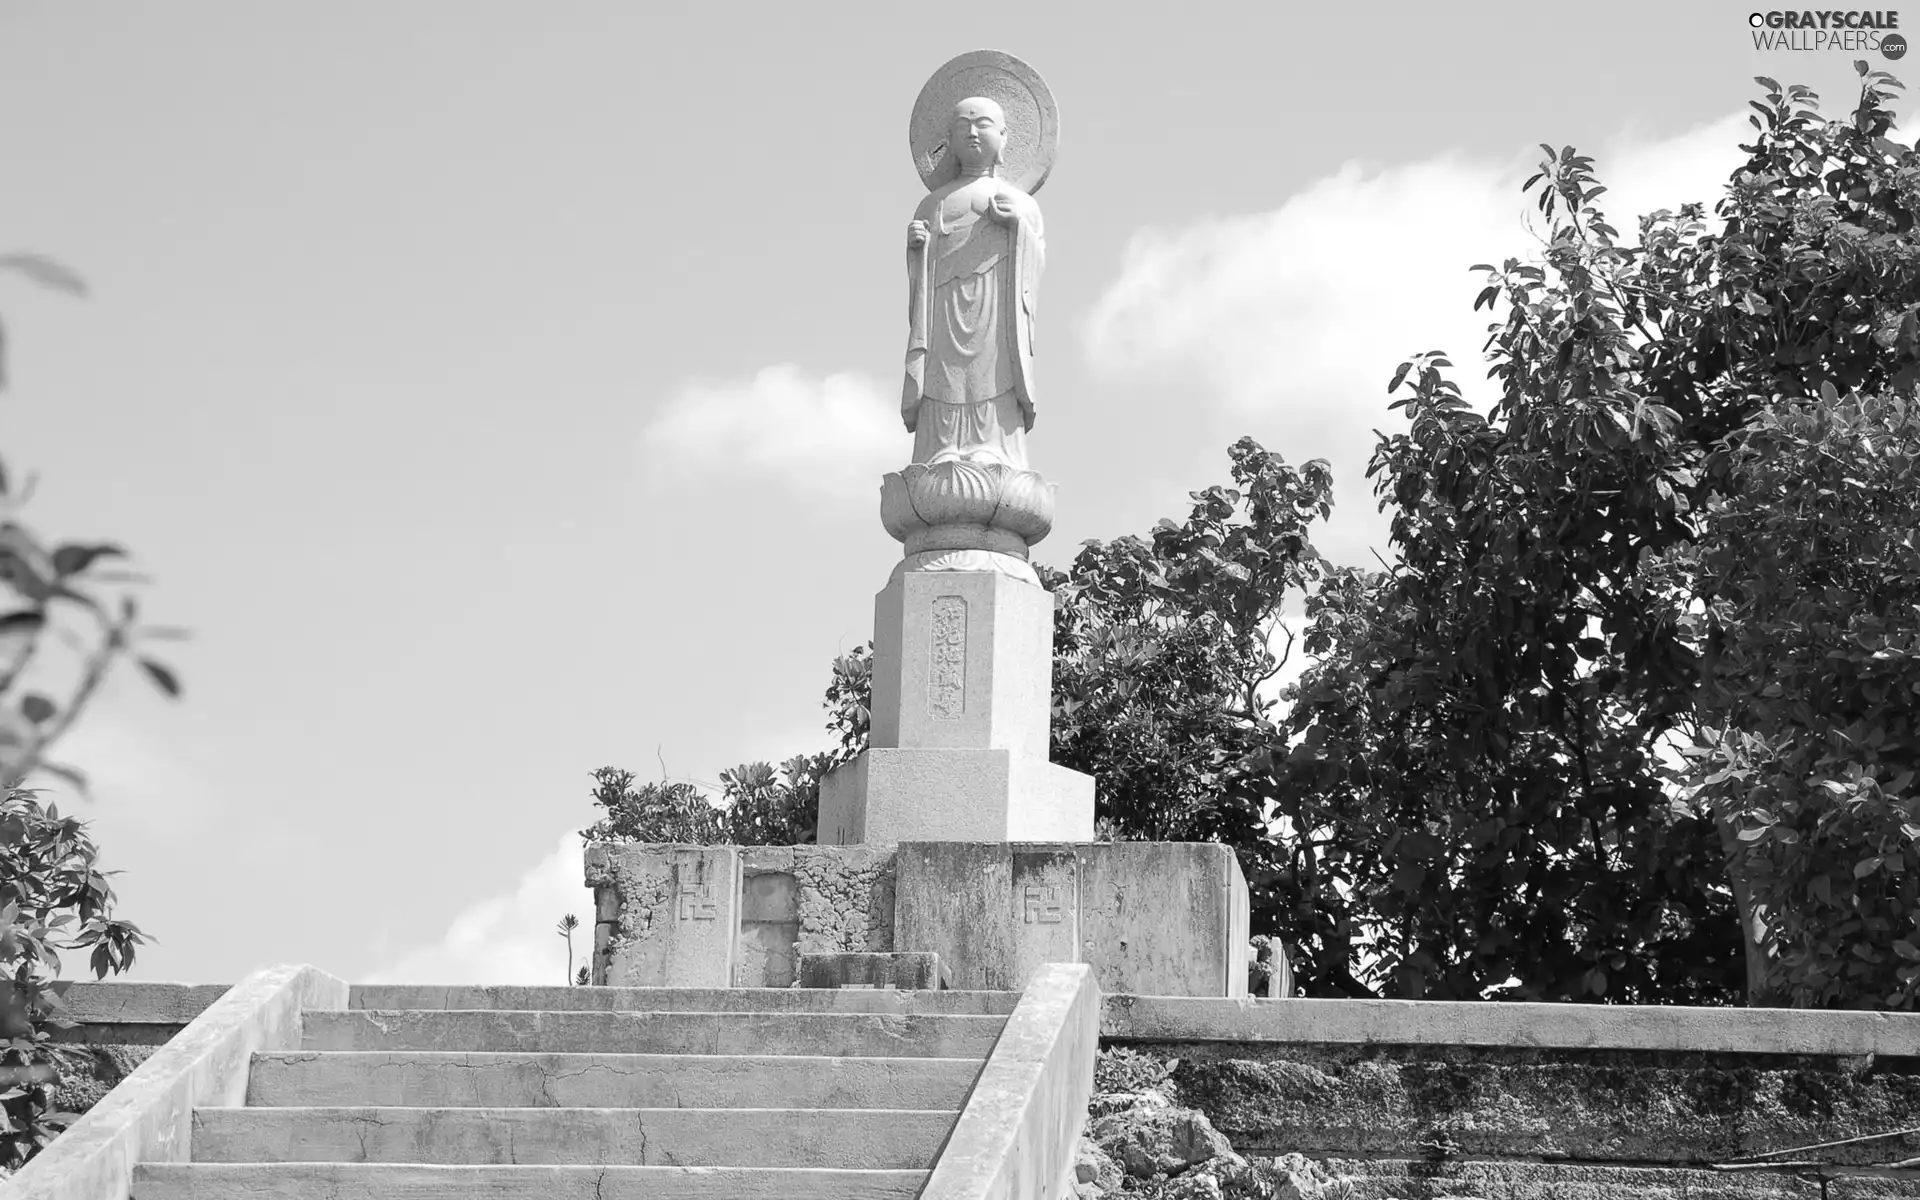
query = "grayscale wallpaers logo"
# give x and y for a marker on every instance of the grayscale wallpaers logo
(1812, 29)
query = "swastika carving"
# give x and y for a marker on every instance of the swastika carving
(697, 902)
(1040, 905)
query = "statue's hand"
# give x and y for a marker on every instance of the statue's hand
(1001, 209)
(917, 234)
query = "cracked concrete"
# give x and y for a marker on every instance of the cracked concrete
(844, 1139)
(859, 1092)
(936, 1035)
(412, 1181)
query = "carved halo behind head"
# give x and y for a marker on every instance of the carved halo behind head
(1032, 120)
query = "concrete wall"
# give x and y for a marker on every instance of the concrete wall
(1556, 1099)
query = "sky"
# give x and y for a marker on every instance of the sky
(501, 390)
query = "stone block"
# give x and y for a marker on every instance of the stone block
(963, 659)
(1151, 918)
(676, 914)
(1164, 918)
(993, 911)
(903, 971)
(769, 929)
(892, 795)
(799, 900)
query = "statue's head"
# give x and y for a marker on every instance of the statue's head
(977, 135)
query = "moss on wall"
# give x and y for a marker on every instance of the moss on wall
(1599, 1107)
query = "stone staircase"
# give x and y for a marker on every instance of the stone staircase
(597, 1094)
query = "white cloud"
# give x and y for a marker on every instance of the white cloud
(1301, 313)
(831, 436)
(139, 760)
(509, 938)
(1358, 271)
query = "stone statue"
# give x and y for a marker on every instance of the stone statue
(975, 249)
(983, 136)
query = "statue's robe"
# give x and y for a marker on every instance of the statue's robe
(968, 394)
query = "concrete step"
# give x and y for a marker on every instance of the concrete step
(654, 999)
(429, 1079)
(841, 1139)
(384, 1181)
(861, 1035)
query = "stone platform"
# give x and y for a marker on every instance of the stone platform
(1151, 918)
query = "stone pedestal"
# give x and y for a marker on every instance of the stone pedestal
(1152, 918)
(915, 794)
(962, 659)
(962, 700)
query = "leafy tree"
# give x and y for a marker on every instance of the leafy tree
(651, 812)
(1165, 650)
(764, 807)
(1491, 712)
(758, 805)
(848, 702)
(53, 897)
(1805, 744)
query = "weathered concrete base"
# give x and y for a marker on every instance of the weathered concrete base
(905, 971)
(731, 916)
(887, 796)
(1151, 918)
(665, 914)
(800, 900)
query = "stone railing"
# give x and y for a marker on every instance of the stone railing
(1015, 1138)
(147, 1117)
(1512, 1026)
